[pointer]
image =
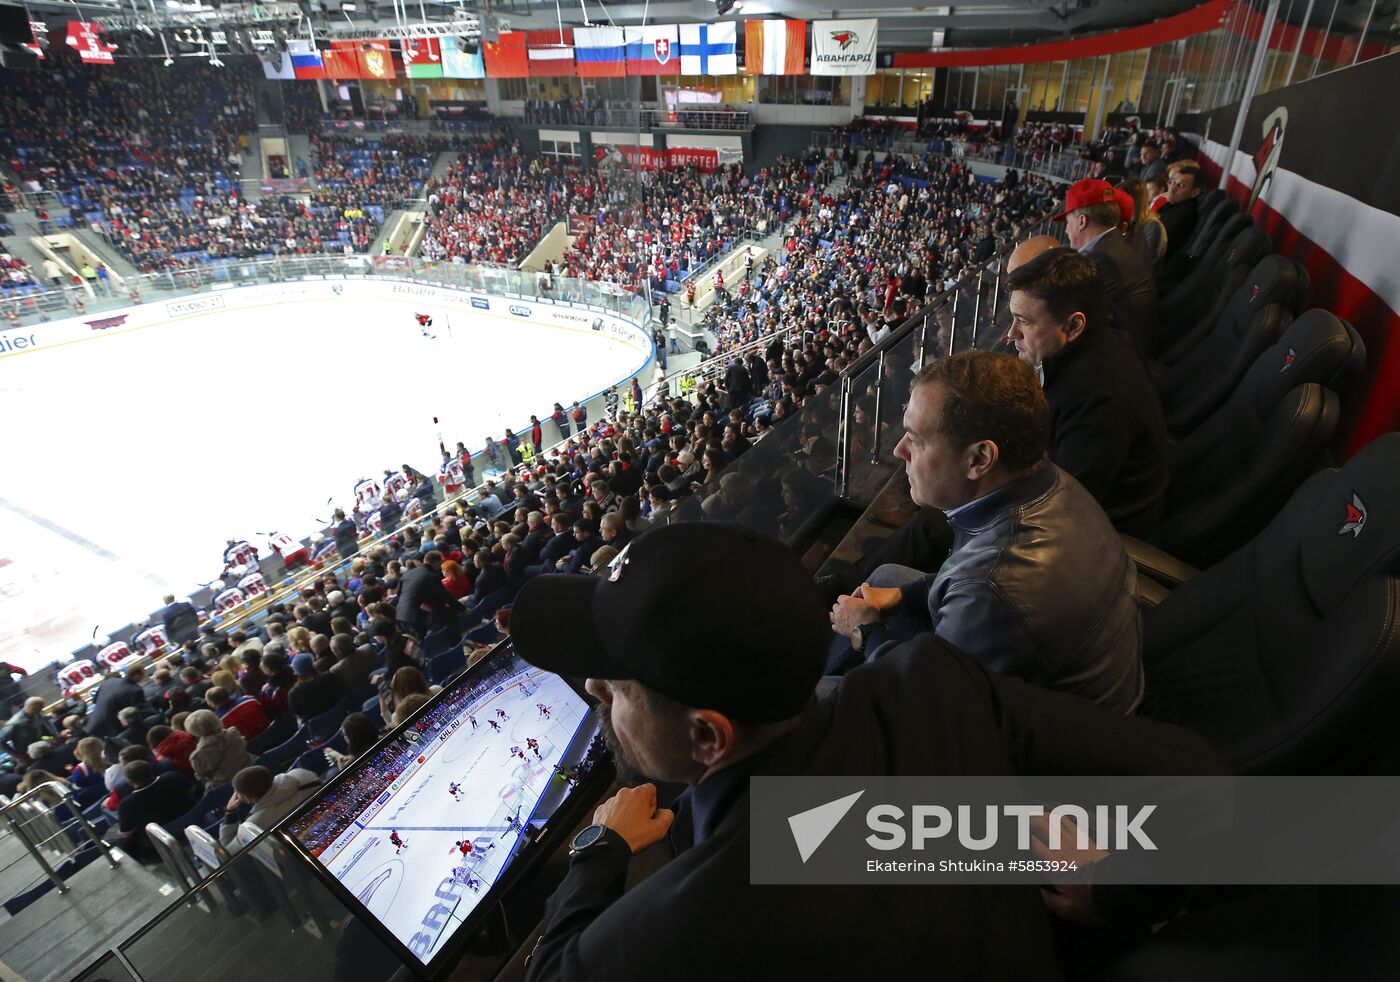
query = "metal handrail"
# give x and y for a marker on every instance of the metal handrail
(9, 810)
(747, 235)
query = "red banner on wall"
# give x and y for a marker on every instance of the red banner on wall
(647, 158)
(1206, 17)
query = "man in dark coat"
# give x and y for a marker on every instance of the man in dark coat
(1180, 214)
(114, 695)
(424, 603)
(925, 708)
(1107, 429)
(1093, 213)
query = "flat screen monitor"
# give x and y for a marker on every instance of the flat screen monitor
(421, 834)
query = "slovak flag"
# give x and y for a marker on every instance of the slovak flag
(422, 57)
(653, 50)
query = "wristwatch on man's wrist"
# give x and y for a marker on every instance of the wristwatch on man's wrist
(595, 838)
(857, 638)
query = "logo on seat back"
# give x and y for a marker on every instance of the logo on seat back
(1288, 360)
(1356, 517)
(1254, 293)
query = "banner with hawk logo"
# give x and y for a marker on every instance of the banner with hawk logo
(844, 47)
(376, 60)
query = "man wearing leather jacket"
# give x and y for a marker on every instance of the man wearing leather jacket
(1038, 584)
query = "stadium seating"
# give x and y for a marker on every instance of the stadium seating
(1231, 474)
(1204, 376)
(1285, 654)
(1213, 281)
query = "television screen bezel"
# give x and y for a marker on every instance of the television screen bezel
(582, 796)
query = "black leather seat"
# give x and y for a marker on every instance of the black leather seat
(1207, 204)
(1231, 475)
(1286, 655)
(1202, 294)
(1213, 212)
(1256, 314)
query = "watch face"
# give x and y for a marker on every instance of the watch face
(588, 836)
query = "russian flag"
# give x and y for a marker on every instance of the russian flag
(600, 52)
(306, 60)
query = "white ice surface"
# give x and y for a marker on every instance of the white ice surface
(129, 460)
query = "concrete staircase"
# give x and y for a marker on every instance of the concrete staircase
(56, 935)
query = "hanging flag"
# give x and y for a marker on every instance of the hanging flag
(422, 57)
(708, 49)
(376, 60)
(342, 60)
(306, 60)
(774, 47)
(35, 48)
(281, 68)
(653, 50)
(92, 47)
(600, 52)
(456, 63)
(844, 47)
(507, 57)
(548, 54)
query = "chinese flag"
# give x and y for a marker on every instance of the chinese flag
(507, 58)
(376, 60)
(342, 60)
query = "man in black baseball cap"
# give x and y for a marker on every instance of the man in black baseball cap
(713, 699)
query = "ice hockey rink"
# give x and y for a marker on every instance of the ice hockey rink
(132, 457)
(403, 885)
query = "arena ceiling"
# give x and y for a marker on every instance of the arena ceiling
(923, 27)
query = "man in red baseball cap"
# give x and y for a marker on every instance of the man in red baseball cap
(1094, 215)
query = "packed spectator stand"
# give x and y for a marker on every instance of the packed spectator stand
(874, 266)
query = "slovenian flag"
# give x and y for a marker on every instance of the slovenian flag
(775, 47)
(306, 60)
(600, 52)
(653, 50)
(709, 49)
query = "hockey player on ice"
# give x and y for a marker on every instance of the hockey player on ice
(534, 745)
(472, 720)
(463, 876)
(501, 713)
(455, 790)
(398, 843)
(544, 710)
(494, 725)
(425, 324)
